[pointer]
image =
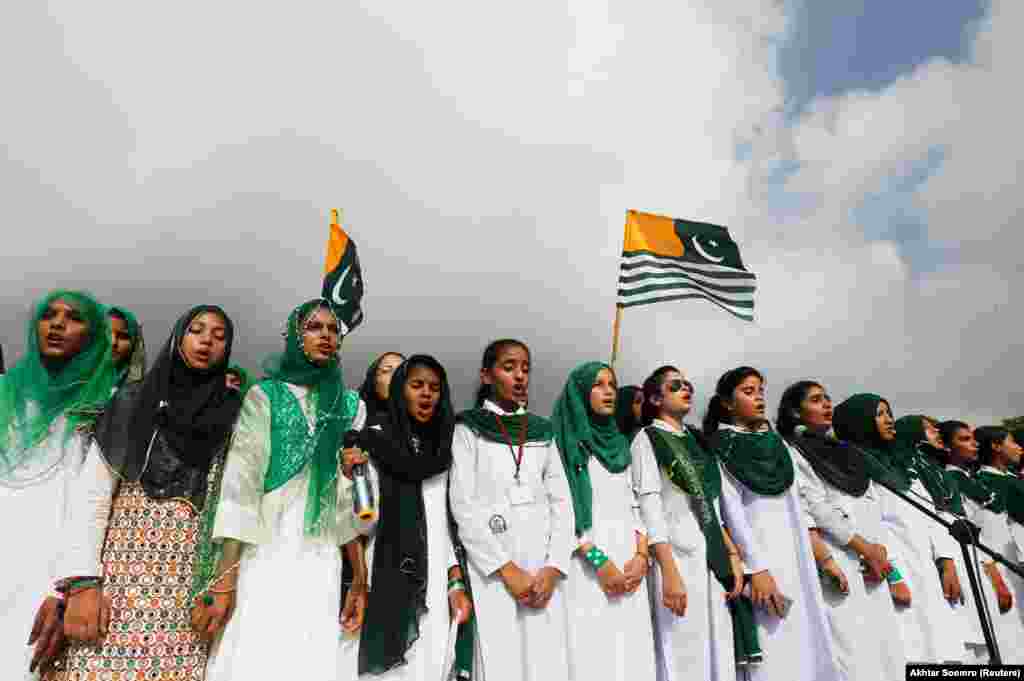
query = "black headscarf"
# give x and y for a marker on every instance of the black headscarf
(193, 409)
(405, 454)
(368, 391)
(835, 461)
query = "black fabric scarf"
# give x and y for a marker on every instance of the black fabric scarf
(405, 453)
(835, 462)
(194, 409)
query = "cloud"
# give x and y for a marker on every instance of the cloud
(484, 157)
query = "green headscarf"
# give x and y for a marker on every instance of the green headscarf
(482, 422)
(854, 420)
(292, 445)
(759, 460)
(920, 460)
(580, 434)
(134, 366)
(243, 376)
(33, 396)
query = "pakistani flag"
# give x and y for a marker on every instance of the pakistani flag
(667, 259)
(343, 278)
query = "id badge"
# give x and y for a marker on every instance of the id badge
(520, 494)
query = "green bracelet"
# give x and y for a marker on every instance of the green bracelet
(894, 576)
(596, 557)
(456, 585)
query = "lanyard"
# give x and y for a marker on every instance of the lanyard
(518, 460)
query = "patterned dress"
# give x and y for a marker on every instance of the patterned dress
(148, 562)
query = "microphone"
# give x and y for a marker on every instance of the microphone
(363, 506)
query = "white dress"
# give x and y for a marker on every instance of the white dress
(932, 629)
(514, 643)
(610, 638)
(970, 626)
(698, 645)
(287, 607)
(864, 623)
(772, 534)
(55, 509)
(995, 533)
(426, 658)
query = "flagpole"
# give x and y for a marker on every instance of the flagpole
(615, 335)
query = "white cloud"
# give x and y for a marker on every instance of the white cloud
(485, 156)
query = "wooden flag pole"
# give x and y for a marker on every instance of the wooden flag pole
(615, 335)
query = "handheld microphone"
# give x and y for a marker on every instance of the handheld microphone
(363, 506)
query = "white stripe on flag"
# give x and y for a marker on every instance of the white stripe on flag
(684, 283)
(681, 273)
(659, 296)
(645, 258)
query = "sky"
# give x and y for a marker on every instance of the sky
(864, 155)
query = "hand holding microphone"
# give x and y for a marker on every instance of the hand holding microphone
(354, 467)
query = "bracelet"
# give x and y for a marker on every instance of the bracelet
(894, 576)
(455, 585)
(222, 591)
(72, 583)
(596, 557)
(205, 596)
(74, 592)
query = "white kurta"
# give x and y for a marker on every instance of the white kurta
(1009, 629)
(426, 658)
(772, 534)
(288, 602)
(56, 509)
(970, 627)
(514, 643)
(864, 623)
(609, 638)
(700, 643)
(932, 629)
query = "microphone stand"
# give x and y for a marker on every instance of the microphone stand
(966, 533)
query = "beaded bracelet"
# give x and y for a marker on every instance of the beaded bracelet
(596, 557)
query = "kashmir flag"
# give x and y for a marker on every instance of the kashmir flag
(343, 277)
(667, 259)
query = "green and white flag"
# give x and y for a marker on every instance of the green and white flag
(666, 259)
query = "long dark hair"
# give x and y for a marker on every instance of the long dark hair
(789, 406)
(717, 413)
(988, 437)
(652, 388)
(491, 354)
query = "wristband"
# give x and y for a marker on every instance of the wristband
(455, 585)
(596, 557)
(894, 576)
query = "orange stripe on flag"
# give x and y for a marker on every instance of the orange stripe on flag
(654, 233)
(337, 242)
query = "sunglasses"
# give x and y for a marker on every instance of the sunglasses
(678, 384)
